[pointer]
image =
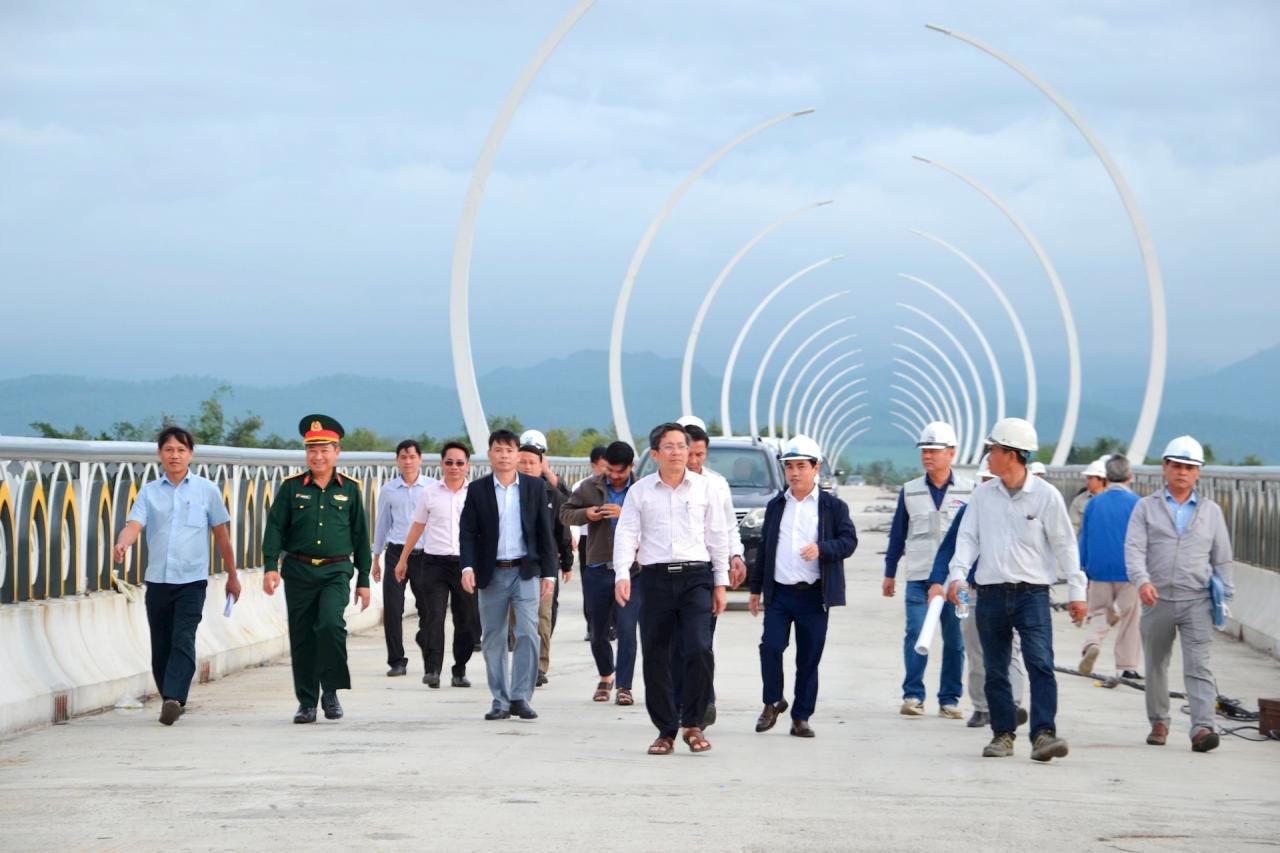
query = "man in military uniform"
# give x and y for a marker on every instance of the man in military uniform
(317, 522)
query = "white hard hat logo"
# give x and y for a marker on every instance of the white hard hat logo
(802, 447)
(937, 434)
(1186, 449)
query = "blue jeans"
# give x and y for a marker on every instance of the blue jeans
(628, 624)
(1025, 607)
(952, 681)
(597, 595)
(506, 591)
(803, 607)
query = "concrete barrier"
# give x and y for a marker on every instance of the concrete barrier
(79, 655)
(1255, 612)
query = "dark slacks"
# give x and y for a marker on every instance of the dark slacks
(316, 597)
(437, 586)
(1003, 609)
(597, 595)
(678, 668)
(393, 602)
(803, 608)
(677, 609)
(173, 614)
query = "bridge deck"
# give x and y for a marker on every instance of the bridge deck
(411, 767)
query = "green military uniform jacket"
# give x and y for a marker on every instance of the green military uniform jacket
(329, 522)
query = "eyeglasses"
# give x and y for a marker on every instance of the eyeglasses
(673, 448)
(454, 463)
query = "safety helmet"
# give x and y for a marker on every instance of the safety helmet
(984, 468)
(692, 420)
(535, 439)
(1014, 433)
(1098, 467)
(937, 434)
(1036, 469)
(801, 447)
(1184, 448)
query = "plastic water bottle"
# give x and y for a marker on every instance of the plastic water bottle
(962, 609)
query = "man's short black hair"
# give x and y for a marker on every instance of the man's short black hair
(409, 444)
(597, 453)
(182, 435)
(503, 436)
(455, 445)
(619, 453)
(696, 433)
(656, 434)
(532, 448)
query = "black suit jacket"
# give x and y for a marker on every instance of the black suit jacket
(478, 530)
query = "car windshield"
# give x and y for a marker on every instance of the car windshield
(748, 469)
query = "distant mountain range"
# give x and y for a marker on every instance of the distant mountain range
(1232, 408)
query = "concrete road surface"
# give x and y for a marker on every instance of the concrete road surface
(417, 769)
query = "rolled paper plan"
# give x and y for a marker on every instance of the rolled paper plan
(930, 627)
(226, 610)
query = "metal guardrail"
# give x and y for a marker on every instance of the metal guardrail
(62, 504)
(1249, 497)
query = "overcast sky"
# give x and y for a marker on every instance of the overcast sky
(271, 192)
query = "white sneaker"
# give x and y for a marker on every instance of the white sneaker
(951, 712)
(912, 708)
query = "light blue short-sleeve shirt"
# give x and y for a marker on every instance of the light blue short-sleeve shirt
(177, 521)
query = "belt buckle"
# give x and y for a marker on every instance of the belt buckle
(317, 561)
(675, 568)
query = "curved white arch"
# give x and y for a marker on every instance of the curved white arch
(727, 379)
(969, 428)
(768, 354)
(777, 383)
(846, 424)
(845, 440)
(1150, 411)
(923, 411)
(936, 408)
(916, 425)
(686, 365)
(996, 377)
(804, 421)
(1072, 413)
(908, 433)
(955, 413)
(822, 421)
(803, 370)
(817, 377)
(982, 423)
(464, 368)
(838, 416)
(617, 399)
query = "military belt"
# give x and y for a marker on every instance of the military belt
(318, 561)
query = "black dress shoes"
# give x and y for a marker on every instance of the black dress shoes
(431, 679)
(979, 719)
(800, 728)
(461, 681)
(304, 715)
(769, 715)
(709, 717)
(496, 713)
(523, 710)
(397, 669)
(329, 702)
(542, 679)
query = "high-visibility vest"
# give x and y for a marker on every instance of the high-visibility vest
(927, 524)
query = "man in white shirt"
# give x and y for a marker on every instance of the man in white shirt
(396, 502)
(1018, 525)
(437, 581)
(673, 525)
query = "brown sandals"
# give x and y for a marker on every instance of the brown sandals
(662, 746)
(602, 691)
(697, 743)
(624, 697)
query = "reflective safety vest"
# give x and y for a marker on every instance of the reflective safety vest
(926, 524)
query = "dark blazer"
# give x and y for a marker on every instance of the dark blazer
(478, 530)
(837, 540)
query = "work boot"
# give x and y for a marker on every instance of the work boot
(170, 711)
(912, 708)
(1204, 740)
(979, 719)
(951, 712)
(1091, 653)
(1048, 745)
(542, 680)
(1159, 734)
(769, 715)
(329, 702)
(1001, 746)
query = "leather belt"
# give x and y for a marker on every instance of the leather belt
(677, 568)
(318, 561)
(509, 564)
(1013, 585)
(802, 585)
(443, 558)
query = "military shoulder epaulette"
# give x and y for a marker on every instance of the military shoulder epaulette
(349, 478)
(301, 473)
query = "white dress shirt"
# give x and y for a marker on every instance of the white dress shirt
(440, 509)
(397, 501)
(661, 524)
(511, 545)
(1026, 537)
(799, 528)
(721, 485)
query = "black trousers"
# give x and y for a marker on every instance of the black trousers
(393, 602)
(678, 668)
(173, 614)
(436, 587)
(677, 609)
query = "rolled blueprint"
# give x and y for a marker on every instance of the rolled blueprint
(930, 626)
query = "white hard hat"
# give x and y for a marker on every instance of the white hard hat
(1184, 448)
(801, 447)
(533, 438)
(984, 468)
(1098, 467)
(1014, 433)
(937, 434)
(692, 420)
(1036, 469)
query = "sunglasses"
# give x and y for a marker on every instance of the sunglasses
(453, 463)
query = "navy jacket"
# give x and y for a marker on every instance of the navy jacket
(837, 540)
(478, 530)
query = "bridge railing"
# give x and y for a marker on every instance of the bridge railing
(63, 503)
(1249, 497)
